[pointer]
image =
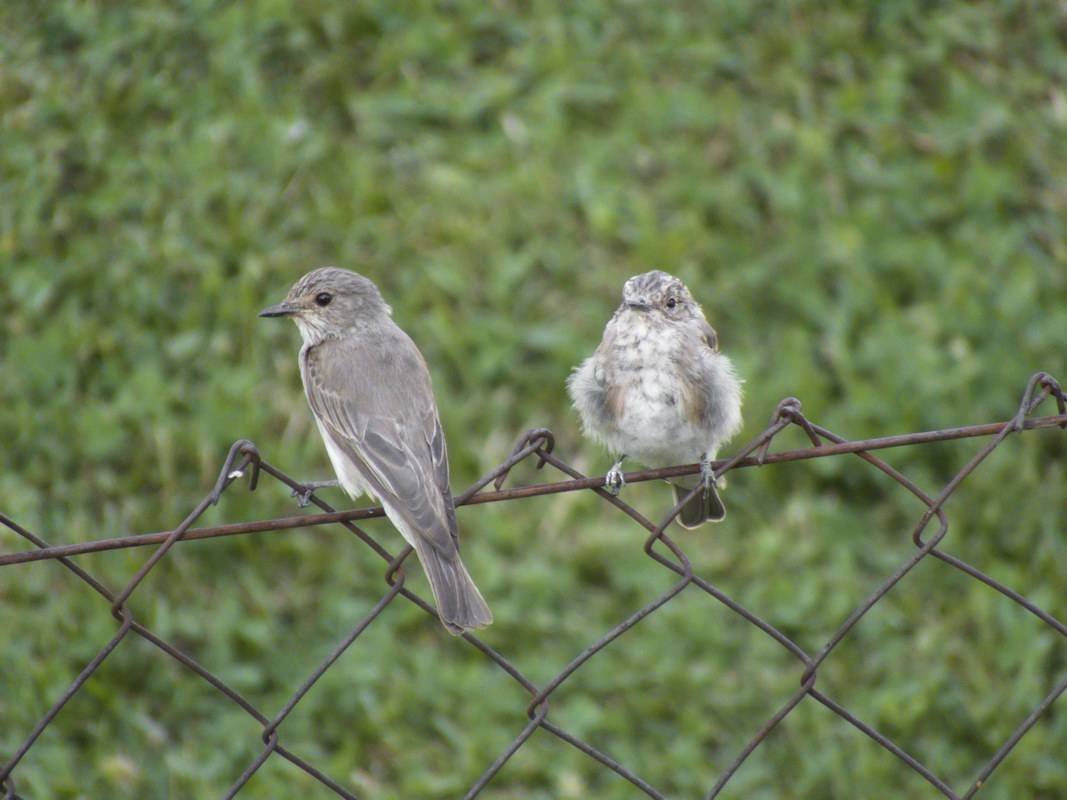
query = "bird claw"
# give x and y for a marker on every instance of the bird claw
(303, 497)
(303, 494)
(614, 480)
(707, 473)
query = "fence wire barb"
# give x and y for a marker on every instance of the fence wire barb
(244, 457)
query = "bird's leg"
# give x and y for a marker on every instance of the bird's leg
(614, 481)
(303, 495)
(707, 473)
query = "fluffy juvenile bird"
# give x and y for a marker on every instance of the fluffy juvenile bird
(370, 393)
(657, 389)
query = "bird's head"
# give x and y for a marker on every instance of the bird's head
(660, 294)
(329, 301)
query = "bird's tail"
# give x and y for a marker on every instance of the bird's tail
(459, 603)
(704, 507)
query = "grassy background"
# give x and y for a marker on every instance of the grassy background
(869, 200)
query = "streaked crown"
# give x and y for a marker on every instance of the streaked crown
(659, 291)
(328, 302)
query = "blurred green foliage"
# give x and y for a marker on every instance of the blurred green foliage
(869, 200)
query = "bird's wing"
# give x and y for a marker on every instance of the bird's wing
(374, 398)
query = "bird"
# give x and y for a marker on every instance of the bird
(372, 400)
(658, 390)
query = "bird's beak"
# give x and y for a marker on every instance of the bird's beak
(638, 306)
(282, 309)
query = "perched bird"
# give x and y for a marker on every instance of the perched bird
(370, 393)
(657, 389)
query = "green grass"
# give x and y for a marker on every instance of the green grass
(868, 199)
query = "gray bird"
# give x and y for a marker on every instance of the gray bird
(657, 389)
(370, 393)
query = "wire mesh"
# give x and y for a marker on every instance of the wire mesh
(928, 533)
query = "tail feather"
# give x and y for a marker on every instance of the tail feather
(704, 507)
(459, 603)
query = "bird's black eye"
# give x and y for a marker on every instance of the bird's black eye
(671, 302)
(323, 298)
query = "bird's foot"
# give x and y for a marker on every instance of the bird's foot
(303, 494)
(614, 481)
(707, 473)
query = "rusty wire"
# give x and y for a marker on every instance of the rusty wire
(244, 458)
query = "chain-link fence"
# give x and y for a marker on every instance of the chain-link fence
(929, 531)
